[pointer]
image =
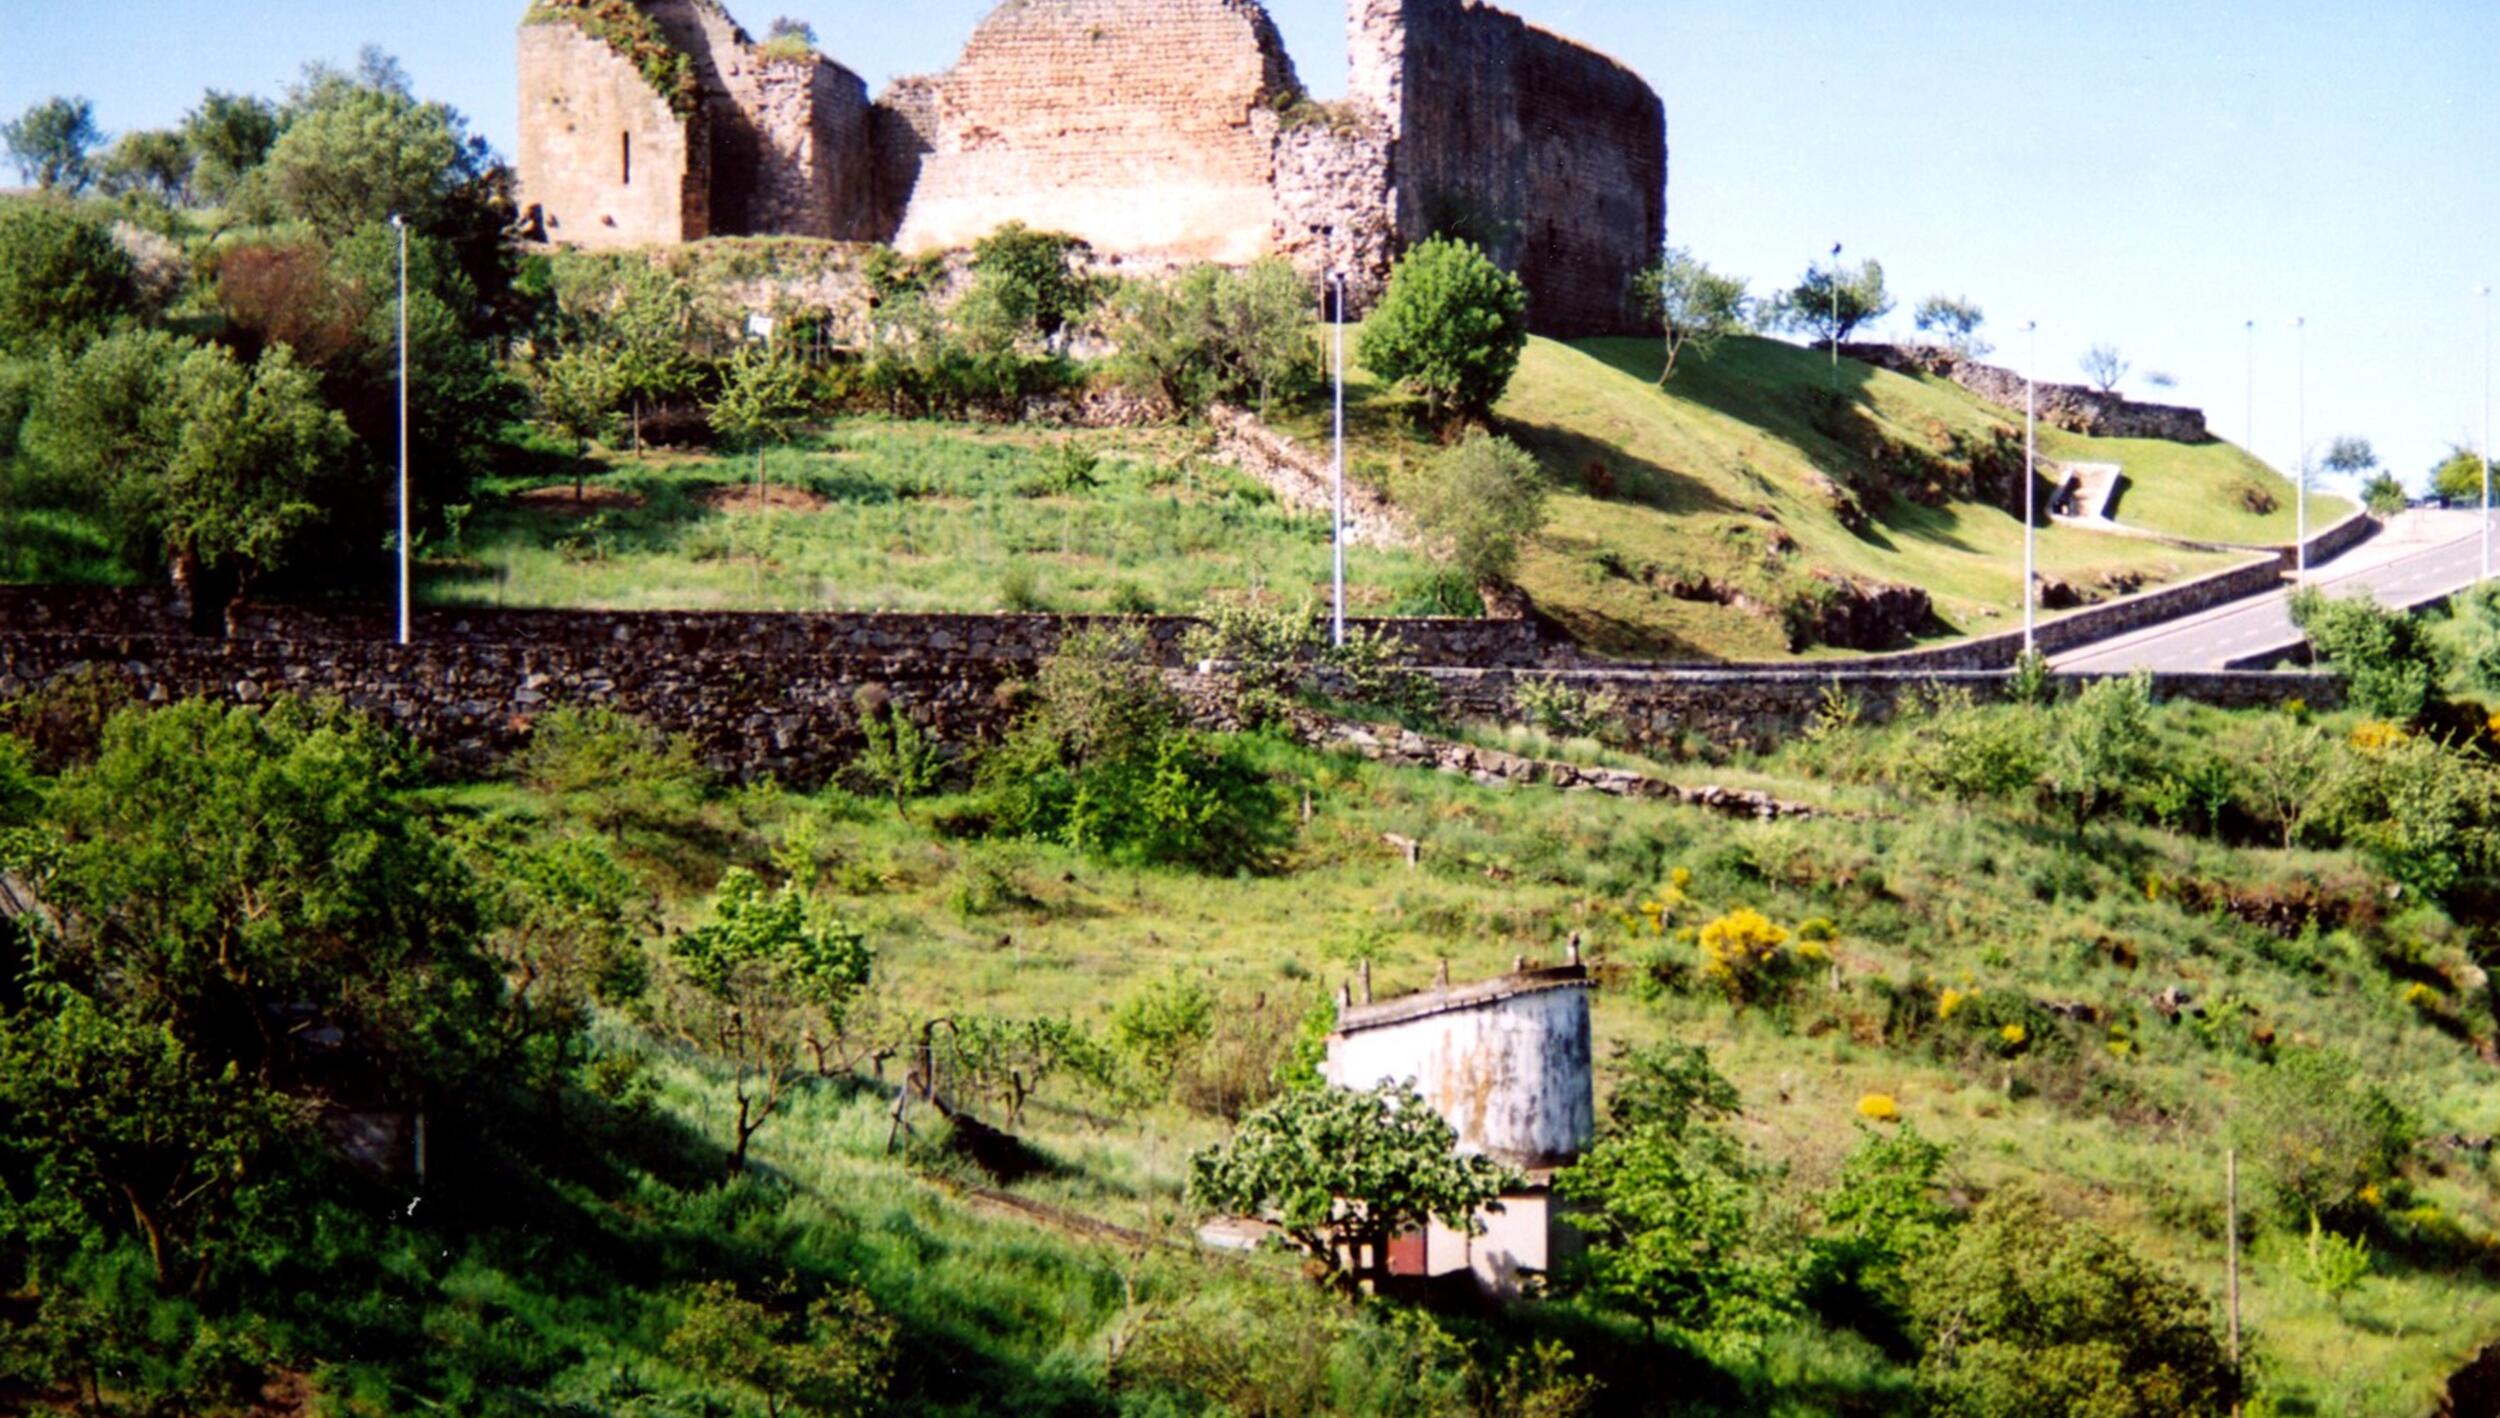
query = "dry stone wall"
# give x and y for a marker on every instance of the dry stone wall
(1140, 125)
(2071, 407)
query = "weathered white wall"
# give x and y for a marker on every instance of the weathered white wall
(1511, 1074)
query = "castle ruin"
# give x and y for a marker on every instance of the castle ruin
(1162, 132)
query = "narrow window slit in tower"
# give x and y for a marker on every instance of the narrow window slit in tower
(628, 149)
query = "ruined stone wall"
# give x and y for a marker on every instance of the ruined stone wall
(603, 158)
(1336, 203)
(1143, 126)
(816, 174)
(902, 130)
(2072, 407)
(1551, 156)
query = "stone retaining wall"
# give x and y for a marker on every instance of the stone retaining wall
(2072, 407)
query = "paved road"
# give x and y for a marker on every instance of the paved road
(2263, 624)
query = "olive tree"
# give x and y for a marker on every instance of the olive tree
(1694, 307)
(1955, 320)
(1829, 303)
(63, 279)
(53, 142)
(1477, 503)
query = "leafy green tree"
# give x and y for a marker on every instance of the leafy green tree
(221, 876)
(1881, 1218)
(1478, 503)
(1031, 283)
(1678, 1233)
(2284, 767)
(2384, 495)
(835, 1358)
(2096, 747)
(2392, 667)
(1694, 307)
(1211, 334)
(229, 136)
(1829, 303)
(650, 326)
(53, 144)
(1450, 328)
(577, 389)
(153, 162)
(2027, 1313)
(1955, 320)
(2424, 812)
(95, 431)
(1340, 1169)
(762, 398)
(2458, 479)
(356, 147)
(2103, 366)
(63, 279)
(247, 450)
(2317, 1129)
(765, 969)
(2350, 456)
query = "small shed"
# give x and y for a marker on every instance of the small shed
(1508, 1062)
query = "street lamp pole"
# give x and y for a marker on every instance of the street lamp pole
(1337, 537)
(2031, 485)
(401, 224)
(2300, 430)
(2252, 387)
(2485, 292)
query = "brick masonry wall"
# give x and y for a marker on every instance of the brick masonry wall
(815, 174)
(581, 104)
(1551, 154)
(1144, 126)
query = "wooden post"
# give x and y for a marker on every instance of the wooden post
(2231, 1240)
(1367, 981)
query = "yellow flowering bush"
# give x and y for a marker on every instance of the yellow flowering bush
(1661, 908)
(2421, 996)
(2378, 736)
(1879, 1108)
(2012, 1038)
(2491, 726)
(1952, 1000)
(1743, 952)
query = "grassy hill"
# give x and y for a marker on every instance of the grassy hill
(1722, 479)
(1699, 520)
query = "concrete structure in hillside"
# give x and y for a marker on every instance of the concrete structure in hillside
(1160, 131)
(1509, 1063)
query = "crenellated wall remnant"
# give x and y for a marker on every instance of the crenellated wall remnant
(1162, 132)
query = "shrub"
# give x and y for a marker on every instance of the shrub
(1477, 504)
(2422, 811)
(2392, 667)
(1372, 665)
(1213, 335)
(2097, 747)
(1745, 954)
(834, 1357)
(1879, 1216)
(613, 771)
(63, 279)
(1976, 754)
(1450, 329)
(1268, 646)
(1563, 709)
(2317, 1131)
(2029, 1313)
(897, 755)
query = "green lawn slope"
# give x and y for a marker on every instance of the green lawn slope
(2207, 492)
(1718, 471)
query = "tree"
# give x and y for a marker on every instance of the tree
(1478, 502)
(765, 969)
(2384, 496)
(52, 142)
(649, 324)
(2284, 772)
(247, 449)
(356, 148)
(226, 878)
(1673, 1209)
(229, 137)
(1341, 1170)
(1955, 321)
(1027, 282)
(2393, 667)
(834, 1359)
(1695, 307)
(2095, 750)
(1830, 302)
(2350, 456)
(151, 161)
(2459, 478)
(577, 388)
(2103, 366)
(762, 397)
(1450, 329)
(1211, 334)
(2090, 1327)
(63, 279)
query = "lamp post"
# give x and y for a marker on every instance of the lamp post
(1336, 626)
(401, 225)
(2252, 387)
(2031, 485)
(2300, 430)
(2485, 293)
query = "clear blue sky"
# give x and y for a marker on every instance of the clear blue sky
(2150, 173)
